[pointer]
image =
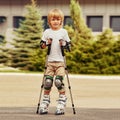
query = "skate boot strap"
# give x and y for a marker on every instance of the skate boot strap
(46, 101)
(46, 98)
(62, 98)
(62, 102)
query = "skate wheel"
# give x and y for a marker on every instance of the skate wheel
(43, 112)
(59, 113)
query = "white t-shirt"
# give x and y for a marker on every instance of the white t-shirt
(55, 35)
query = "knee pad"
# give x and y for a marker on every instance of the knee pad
(59, 82)
(48, 82)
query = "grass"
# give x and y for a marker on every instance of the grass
(15, 70)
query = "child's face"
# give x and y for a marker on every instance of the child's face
(55, 23)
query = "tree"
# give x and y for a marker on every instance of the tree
(113, 58)
(82, 39)
(102, 47)
(80, 26)
(4, 55)
(27, 38)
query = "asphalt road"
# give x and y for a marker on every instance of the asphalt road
(95, 98)
(29, 113)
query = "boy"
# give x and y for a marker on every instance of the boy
(55, 66)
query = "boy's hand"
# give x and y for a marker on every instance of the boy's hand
(62, 42)
(66, 45)
(49, 41)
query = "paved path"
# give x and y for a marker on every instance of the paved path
(28, 113)
(95, 97)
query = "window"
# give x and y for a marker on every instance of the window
(45, 23)
(68, 21)
(17, 20)
(115, 23)
(2, 19)
(95, 23)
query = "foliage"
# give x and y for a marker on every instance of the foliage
(78, 21)
(38, 59)
(27, 38)
(91, 55)
(81, 37)
(2, 38)
(4, 55)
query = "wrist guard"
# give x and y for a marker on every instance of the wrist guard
(68, 46)
(42, 43)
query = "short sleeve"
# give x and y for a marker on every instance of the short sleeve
(44, 36)
(66, 37)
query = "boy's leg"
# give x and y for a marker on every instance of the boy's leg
(46, 98)
(62, 97)
(60, 73)
(47, 88)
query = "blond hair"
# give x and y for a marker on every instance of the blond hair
(55, 13)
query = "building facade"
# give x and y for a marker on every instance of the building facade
(98, 14)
